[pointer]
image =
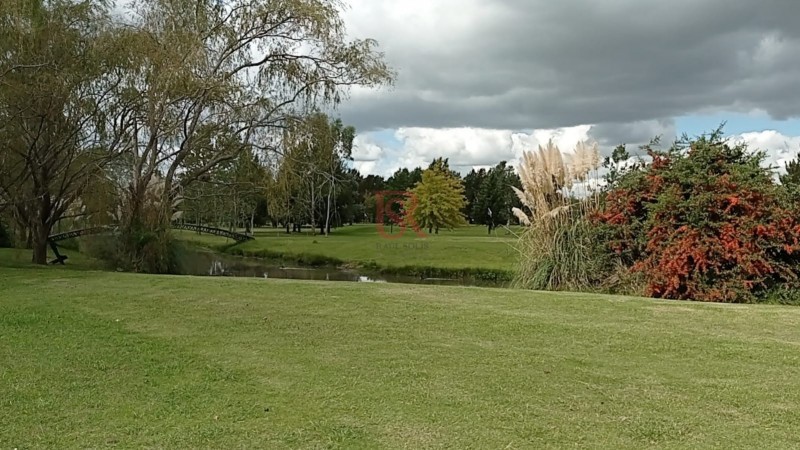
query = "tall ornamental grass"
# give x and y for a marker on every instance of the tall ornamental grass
(557, 249)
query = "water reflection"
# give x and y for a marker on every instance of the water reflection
(203, 263)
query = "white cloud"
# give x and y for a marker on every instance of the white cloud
(468, 148)
(779, 148)
(465, 148)
(367, 167)
(365, 149)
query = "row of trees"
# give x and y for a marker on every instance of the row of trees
(141, 105)
(313, 185)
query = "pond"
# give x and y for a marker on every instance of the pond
(208, 263)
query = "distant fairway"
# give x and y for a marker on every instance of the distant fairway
(362, 245)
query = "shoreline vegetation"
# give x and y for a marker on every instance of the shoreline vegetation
(466, 252)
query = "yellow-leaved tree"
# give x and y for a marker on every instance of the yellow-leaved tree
(437, 200)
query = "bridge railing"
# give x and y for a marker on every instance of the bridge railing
(79, 232)
(238, 237)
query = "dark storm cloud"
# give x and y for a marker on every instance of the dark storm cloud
(547, 64)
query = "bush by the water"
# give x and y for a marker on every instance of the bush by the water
(704, 221)
(145, 251)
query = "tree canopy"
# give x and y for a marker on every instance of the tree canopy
(59, 68)
(494, 199)
(438, 199)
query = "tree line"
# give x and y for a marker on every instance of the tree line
(123, 116)
(313, 187)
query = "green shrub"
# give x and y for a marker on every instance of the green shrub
(71, 244)
(785, 294)
(150, 251)
(704, 221)
(621, 280)
(301, 259)
(102, 247)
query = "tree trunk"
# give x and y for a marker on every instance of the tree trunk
(328, 215)
(313, 222)
(40, 229)
(40, 235)
(235, 220)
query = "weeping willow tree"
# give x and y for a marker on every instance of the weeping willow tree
(556, 248)
(58, 68)
(209, 73)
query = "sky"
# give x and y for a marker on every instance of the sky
(480, 81)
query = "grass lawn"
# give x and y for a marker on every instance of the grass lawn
(100, 359)
(362, 245)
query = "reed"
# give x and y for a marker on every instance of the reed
(557, 250)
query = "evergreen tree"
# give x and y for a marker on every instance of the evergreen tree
(792, 175)
(495, 198)
(472, 187)
(404, 179)
(791, 181)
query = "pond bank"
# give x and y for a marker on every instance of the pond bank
(265, 264)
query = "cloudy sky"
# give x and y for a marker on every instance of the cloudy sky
(480, 81)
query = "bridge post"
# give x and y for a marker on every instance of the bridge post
(59, 257)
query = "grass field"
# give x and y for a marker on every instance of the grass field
(100, 359)
(362, 245)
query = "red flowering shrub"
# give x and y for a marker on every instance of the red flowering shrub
(703, 222)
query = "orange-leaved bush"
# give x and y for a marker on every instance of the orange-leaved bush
(703, 221)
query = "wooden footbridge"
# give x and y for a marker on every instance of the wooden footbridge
(53, 238)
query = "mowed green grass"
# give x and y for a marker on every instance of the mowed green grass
(99, 359)
(468, 247)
